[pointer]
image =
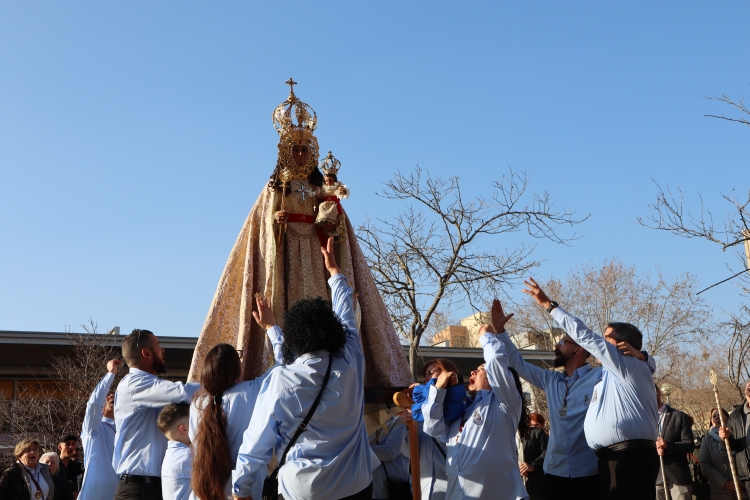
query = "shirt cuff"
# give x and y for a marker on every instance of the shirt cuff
(336, 277)
(274, 333)
(558, 314)
(436, 395)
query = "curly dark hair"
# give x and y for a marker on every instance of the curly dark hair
(311, 325)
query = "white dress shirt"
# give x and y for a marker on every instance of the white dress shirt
(391, 446)
(238, 402)
(432, 475)
(332, 457)
(175, 471)
(98, 437)
(623, 404)
(139, 444)
(482, 457)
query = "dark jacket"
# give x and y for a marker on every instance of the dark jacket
(534, 450)
(678, 435)
(62, 488)
(715, 468)
(737, 425)
(14, 483)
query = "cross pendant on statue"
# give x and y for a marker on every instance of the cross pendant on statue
(302, 191)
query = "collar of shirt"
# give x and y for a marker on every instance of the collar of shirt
(108, 420)
(745, 408)
(138, 371)
(578, 373)
(176, 444)
(662, 410)
(307, 357)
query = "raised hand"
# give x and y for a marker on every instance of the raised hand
(536, 291)
(446, 378)
(112, 365)
(499, 318)
(264, 315)
(629, 350)
(330, 258)
(486, 328)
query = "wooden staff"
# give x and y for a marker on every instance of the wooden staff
(712, 377)
(663, 476)
(403, 400)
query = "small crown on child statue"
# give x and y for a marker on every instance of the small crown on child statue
(330, 165)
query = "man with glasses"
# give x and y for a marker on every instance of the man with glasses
(621, 418)
(139, 445)
(570, 466)
(736, 431)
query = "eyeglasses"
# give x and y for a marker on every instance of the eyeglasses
(563, 341)
(239, 353)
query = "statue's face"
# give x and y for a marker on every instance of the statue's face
(300, 153)
(329, 180)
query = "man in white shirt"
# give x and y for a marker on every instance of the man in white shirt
(141, 394)
(391, 446)
(332, 458)
(98, 436)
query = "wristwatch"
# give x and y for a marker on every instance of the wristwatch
(552, 305)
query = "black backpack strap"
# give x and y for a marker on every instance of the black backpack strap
(306, 421)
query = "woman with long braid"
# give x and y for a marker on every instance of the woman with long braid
(220, 412)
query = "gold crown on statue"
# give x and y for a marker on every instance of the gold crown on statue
(330, 165)
(287, 111)
(291, 133)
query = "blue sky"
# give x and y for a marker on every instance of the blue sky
(135, 137)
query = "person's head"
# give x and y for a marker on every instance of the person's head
(311, 325)
(569, 354)
(536, 420)
(715, 419)
(67, 445)
(433, 368)
(478, 380)
(623, 332)
(109, 406)
(212, 466)
(52, 461)
(746, 385)
(173, 421)
(27, 452)
(659, 402)
(330, 179)
(141, 350)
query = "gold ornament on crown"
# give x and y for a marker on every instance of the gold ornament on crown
(330, 165)
(290, 133)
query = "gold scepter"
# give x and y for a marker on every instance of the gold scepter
(284, 176)
(712, 377)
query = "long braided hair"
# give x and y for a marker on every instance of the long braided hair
(212, 462)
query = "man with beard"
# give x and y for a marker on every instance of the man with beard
(139, 444)
(570, 466)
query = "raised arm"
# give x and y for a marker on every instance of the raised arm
(93, 417)
(343, 300)
(496, 365)
(154, 392)
(265, 318)
(533, 374)
(434, 424)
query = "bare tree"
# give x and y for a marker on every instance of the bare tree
(739, 105)
(429, 256)
(56, 406)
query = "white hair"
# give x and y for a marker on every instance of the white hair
(51, 454)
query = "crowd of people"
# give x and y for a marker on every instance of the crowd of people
(298, 431)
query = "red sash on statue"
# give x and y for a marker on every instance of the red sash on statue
(309, 219)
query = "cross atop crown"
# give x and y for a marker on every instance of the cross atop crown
(291, 84)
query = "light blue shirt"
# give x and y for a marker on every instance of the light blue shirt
(139, 444)
(432, 475)
(482, 460)
(98, 437)
(175, 471)
(238, 402)
(332, 457)
(623, 404)
(391, 446)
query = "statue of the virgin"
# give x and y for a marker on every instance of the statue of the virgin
(277, 255)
